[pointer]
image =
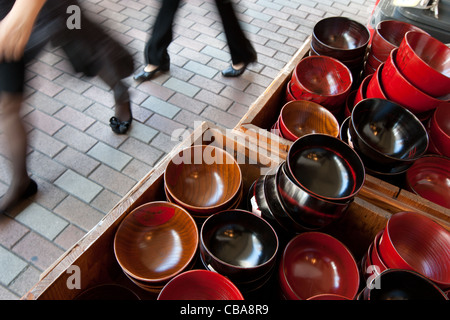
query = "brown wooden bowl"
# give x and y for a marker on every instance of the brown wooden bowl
(301, 117)
(203, 179)
(156, 241)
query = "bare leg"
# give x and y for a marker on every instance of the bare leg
(16, 137)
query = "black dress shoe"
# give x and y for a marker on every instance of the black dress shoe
(119, 127)
(147, 75)
(232, 72)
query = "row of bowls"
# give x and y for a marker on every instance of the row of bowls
(300, 117)
(388, 35)
(415, 75)
(411, 241)
(312, 188)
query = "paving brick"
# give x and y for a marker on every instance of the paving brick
(141, 151)
(69, 236)
(160, 107)
(25, 280)
(12, 266)
(10, 231)
(44, 122)
(78, 213)
(37, 250)
(42, 221)
(78, 185)
(106, 200)
(77, 161)
(75, 118)
(44, 143)
(75, 138)
(109, 156)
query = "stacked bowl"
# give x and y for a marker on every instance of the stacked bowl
(343, 39)
(387, 136)
(387, 36)
(412, 241)
(154, 243)
(301, 117)
(321, 79)
(315, 264)
(312, 188)
(439, 131)
(240, 246)
(429, 177)
(203, 179)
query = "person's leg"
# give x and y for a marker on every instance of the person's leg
(241, 50)
(155, 52)
(11, 98)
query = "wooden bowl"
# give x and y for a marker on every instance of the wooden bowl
(155, 242)
(301, 117)
(203, 179)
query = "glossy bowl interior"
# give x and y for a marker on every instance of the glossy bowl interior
(425, 62)
(385, 132)
(340, 37)
(398, 284)
(156, 241)
(326, 166)
(307, 81)
(415, 242)
(200, 285)
(301, 117)
(238, 244)
(316, 263)
(203, 178)
(429, 177)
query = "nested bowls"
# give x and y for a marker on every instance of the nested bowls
(429, 177)
(415, 242)
(203, 179)
(439, 130)
(301, 117)
(315, 263)
(400, 90)
(155, 242)
(425, 62)
(326, 167)
(386, 135)
(322, 79)
(239, 245)
(200, 285)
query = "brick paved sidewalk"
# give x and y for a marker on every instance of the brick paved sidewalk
(82, 168)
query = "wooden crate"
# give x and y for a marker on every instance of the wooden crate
(263, 113)
(94, 254)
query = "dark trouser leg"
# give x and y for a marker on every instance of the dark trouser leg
(155, 52)
(241, 49)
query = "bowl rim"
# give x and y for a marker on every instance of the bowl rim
(347, 21)
(407, 43)
(397, 22)
(311, 105)
(435, 123)
(322, 57)
(398, 106)
(203, 246)
(424, 219)
(336, 140)
(189, 259)
(291, 242)
(223, 280)
(205, 208)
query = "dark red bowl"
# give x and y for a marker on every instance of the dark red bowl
(388, 35)
(321, 79)
(200, 285)
(373, 61)
(440, 130)
(340, 37)
(398, 89)
(362, 90)
(429, 177)
(415, 242)
(316, 263)
(425, 62)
